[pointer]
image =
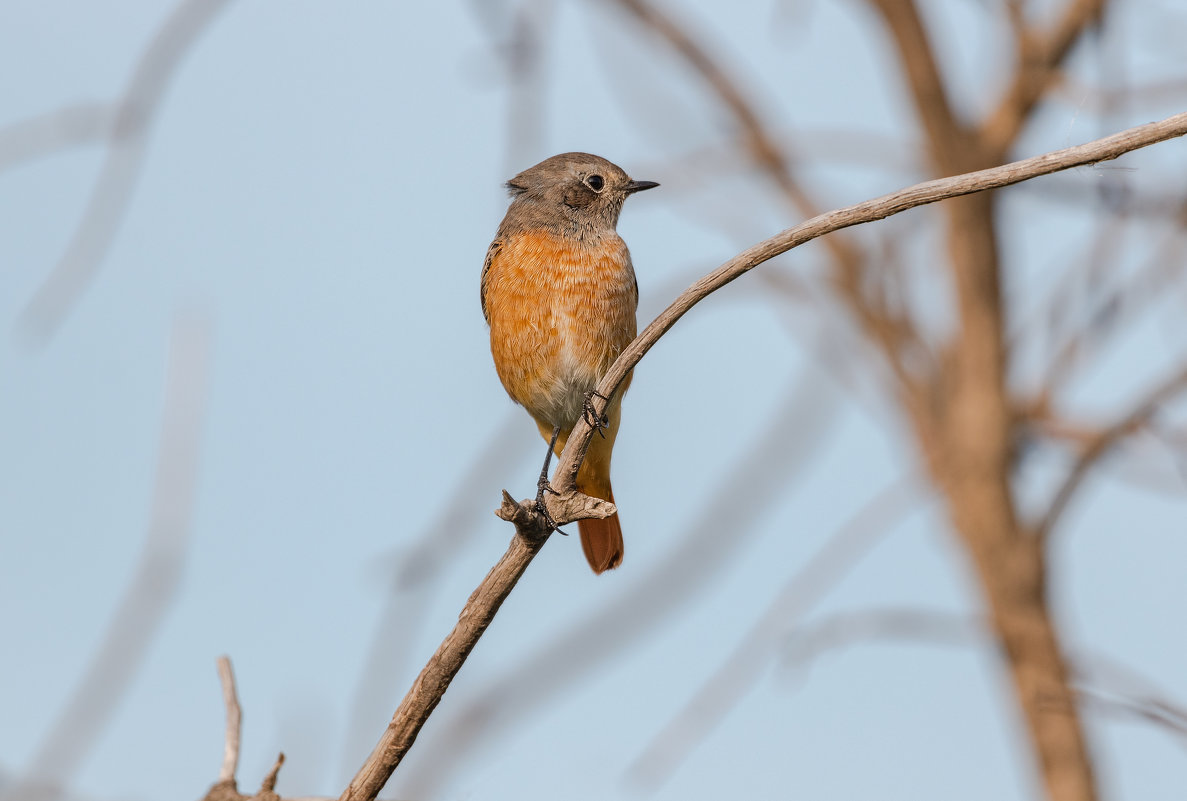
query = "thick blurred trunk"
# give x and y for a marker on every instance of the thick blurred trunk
(971, 458)
(965, 422)
(1012, 573)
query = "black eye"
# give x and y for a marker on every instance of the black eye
(595, 182)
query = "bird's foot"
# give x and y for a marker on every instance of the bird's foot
(542, 486)
(596, 421)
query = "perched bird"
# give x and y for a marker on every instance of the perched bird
(559, 294)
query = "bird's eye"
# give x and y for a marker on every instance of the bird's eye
(595, 182)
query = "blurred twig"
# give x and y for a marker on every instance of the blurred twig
(1103, 441)
(1103, 99)
(519, 35)
(1149, 710)
(56, 130)
(1120, 687)
(806, 643)
(1121, 304)
(1099, 190)
(113, 188)
(1040, 55)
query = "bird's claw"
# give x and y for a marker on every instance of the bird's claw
(542, 486)
(592, 418)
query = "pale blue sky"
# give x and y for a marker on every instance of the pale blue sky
(319, 188)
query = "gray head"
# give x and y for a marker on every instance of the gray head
(572, 190)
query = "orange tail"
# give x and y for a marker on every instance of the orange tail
(602, 542)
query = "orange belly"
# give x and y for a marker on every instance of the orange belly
(560, 312)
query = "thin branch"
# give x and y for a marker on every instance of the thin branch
(709, 163)
(434, 680)
(234, 721)
(1121, 304)
(70, 126)
(900, 625)
(1104, 441)
(1134, 693)
(1149, 710)
(112, 191)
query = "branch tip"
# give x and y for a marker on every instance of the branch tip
(269, 783)
(230, 767)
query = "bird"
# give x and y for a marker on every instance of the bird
(559, 294)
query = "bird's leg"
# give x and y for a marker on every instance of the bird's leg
(596, 422)
(542, 485)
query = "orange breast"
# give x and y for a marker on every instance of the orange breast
(560, 312)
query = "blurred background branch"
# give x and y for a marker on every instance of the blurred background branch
(112, 191)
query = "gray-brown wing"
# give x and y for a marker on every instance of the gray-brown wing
(491, 252)
(634, 279)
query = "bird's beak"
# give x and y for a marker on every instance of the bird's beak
(639, 186)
